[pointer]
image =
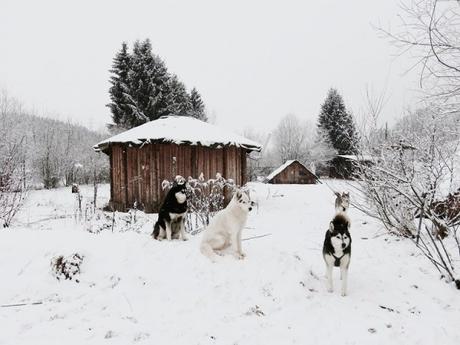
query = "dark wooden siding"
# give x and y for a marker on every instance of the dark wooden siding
(137, 172)
(295, 173)
(118, 180)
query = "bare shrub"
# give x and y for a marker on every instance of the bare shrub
(416, 164)
(12, 162)
(12, 185)
(67, 268)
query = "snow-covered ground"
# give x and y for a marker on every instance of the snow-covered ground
(136, 290)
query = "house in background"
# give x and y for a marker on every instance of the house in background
(347, 166)
(142, 157)
(292, 172)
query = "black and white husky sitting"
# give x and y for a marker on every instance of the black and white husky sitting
(337, 249)
(171, 218)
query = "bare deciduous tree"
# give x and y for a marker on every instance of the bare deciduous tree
(12, 161)
(320, 151)
(292, 138)
(429, 31)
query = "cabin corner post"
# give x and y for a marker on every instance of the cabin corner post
(244, 164)
(125, 177)
(112, 181)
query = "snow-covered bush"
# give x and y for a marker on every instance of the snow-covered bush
(133, 220)
(12, 188)
(414, 167)
(12, 161)
(204, 198)
(67, 267)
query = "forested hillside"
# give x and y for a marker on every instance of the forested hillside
(45, 152)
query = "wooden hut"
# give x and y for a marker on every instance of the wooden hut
(292, 172)
(142, 157)
(347, 166)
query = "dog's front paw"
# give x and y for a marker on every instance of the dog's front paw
(239, 256)
(184, 238)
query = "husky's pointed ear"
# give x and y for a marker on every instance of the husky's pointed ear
(337, 194)
(238, 193)
(331, 227)
(346, 193)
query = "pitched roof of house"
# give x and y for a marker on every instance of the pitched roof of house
(180, 130)
(357, 158)
(284, 166)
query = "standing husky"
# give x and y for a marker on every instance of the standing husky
(171, 218)
(337, 249)
(342, 202)
(225, 228)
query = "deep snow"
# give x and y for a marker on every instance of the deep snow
(136, 290)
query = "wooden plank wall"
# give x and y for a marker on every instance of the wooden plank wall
(294, 174)
(137, 172)
(118, 184)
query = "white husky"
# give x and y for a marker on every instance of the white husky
(225, 228)
(342, 202)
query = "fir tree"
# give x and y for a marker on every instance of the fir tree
(122, 104)
(178, 100)
(337, 124)
(197, 106)
(142, 89)
(149, 84)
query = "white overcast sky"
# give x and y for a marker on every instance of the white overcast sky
(252, 61)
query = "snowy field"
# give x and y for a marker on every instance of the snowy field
(134, 290)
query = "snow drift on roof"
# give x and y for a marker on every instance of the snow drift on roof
(280, 169)
(180, 130)
(357, 158)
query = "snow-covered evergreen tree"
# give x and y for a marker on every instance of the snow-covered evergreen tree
(122, 104)
(143, 86)
(178, 100)
(142, 89)
(338, 124)
(198, 109)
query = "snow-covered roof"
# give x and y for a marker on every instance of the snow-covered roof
(282, 167)
(180, 130)
(358, 158)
